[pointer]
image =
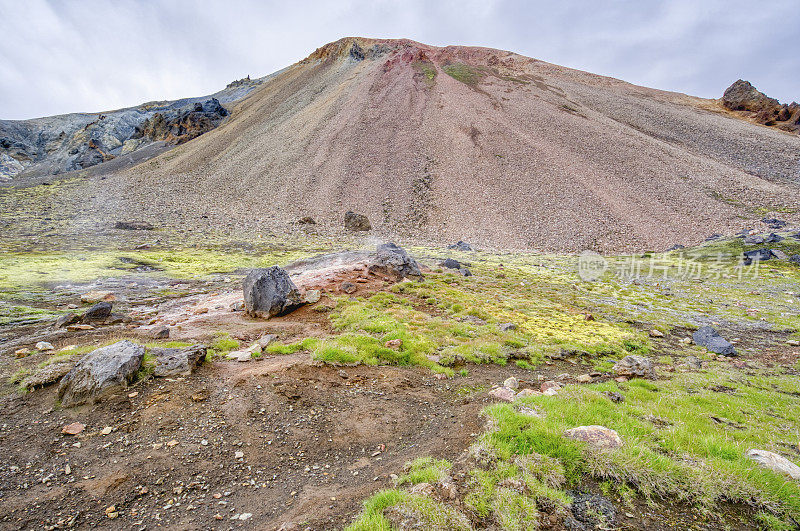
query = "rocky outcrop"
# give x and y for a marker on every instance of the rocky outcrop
(745, 98)
(393, 261)
(71, 142)
(183, 126)
(103, 371)
(774, 462)
(269, 293)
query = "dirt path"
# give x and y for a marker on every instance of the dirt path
(316, 440)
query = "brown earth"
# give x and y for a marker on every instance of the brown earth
(511, 152)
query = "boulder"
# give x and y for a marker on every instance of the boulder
(99, 312)
(634, 366)
(43, 346)
(464, 272)
(795, 259)
(133, 225)
(511, 382)
(756, 254)
(774, 462)
(461, 246)
(178, 361)
(451, 264)
(393, 261)
(707, 337)
(105, 370)
(270, 292)
(356, 222)
(598, 437)
(778, 254)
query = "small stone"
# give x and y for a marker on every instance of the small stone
(43, 346)
(107, 430)
(635, 366)
(347, 287)
(511, 383)
(67, 470)
(527, 392)
(172, 443)
(77, 327)
(21, 353)
(598, 437)
(793, 343)
(160, 332)
(656, 333)
(621, 379)
(73, 429)
(393, 343)
(204, 442)
(313, 296)
(239, 455)
(245, 516)
(614, 396)
(548, 385)
(502, 393)
(507, 327)
(583, 378)
(265, 341)
(133, 394)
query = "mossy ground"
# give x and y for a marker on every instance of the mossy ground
(685, 434)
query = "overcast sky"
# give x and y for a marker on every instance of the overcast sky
(69, 56)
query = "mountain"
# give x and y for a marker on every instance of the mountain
(463, 143)
(58, 144)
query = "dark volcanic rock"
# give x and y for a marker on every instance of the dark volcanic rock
(178, 361)
(461, 246)
(756, 254)
(707, 337)
(133, 225)
(393, 261)
(269, 293)
(177, 128)
(451, 264)
(99, 312)
(103, 371)
(356, 222)
(593, 511)
(774, 223)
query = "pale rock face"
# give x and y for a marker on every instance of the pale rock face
(502, 393)
(598, 437)
(774, 462)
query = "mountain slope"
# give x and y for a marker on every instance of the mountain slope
(469, 143)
